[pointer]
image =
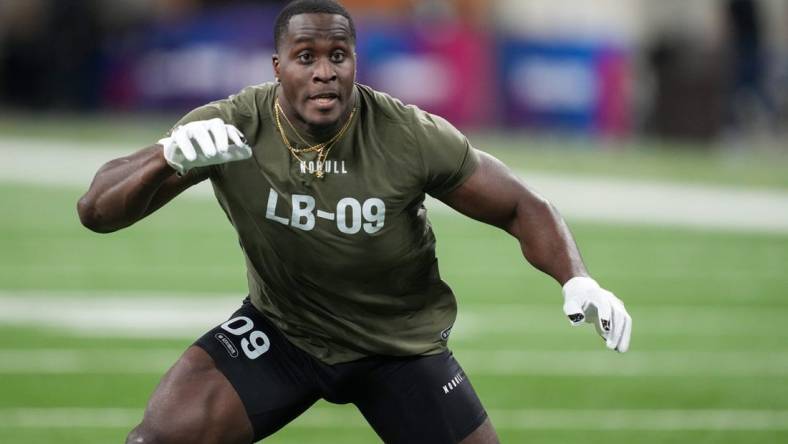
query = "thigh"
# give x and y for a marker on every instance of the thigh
(425, 399)
(272, 378)
(239, 383)
(194, 403)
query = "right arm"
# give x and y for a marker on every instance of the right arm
(127, 189)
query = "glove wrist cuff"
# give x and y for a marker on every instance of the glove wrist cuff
(578, 285)
(169, 145)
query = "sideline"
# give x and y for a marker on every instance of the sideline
(595, 199)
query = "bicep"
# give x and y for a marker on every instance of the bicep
(493, 194)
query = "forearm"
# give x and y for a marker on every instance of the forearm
(123, 190)
(545, 239)
(493, 194)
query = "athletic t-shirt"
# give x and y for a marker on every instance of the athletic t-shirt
(345, 264)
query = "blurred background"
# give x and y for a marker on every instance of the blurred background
(657, 128)
(703, 70)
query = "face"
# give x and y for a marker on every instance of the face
(316, 65)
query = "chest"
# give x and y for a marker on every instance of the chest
(368, 184)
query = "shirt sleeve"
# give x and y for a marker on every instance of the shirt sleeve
(449, 160)
(237, 110)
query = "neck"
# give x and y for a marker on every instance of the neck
(312, 132)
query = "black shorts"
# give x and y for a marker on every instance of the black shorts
(418, 399)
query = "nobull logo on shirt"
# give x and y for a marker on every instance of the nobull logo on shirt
(328, 167)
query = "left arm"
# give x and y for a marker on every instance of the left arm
(494, 195)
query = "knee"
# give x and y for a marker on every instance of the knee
(145, 433)
(137, 436)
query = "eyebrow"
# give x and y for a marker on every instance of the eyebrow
(344, 37)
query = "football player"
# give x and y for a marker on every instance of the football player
(324, 181)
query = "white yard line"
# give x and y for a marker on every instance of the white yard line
(119, 314)
(634, 363)
(663, 203)
(488, 361)
(69, 417)
(136, 314)
(504, 419)
(49, 163)
(168, 316)
(172, 315)
(652, 420)
(598, 199)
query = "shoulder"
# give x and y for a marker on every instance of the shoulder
(244, 110)
(248, 101)
(421, 127)
(383, 106)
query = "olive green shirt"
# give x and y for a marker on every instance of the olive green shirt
(344, 265)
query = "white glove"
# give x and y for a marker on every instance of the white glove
(213, 145)
(585, 300)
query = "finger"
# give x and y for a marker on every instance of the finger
(235, 135)
(604, 315)
(617, 328)
(185, 144)
(623, 344)
(219, 133)
(204, 141)
(574, 311)
(242, 152)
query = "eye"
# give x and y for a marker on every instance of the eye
(305, 57)
(338, 57)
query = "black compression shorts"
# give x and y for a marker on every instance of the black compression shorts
(418, 399)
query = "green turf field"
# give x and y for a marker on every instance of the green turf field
(708, 363)
(761, 164)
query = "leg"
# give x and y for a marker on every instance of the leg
(484, 434)
(194, 403)
(241, 382)
(423, 400)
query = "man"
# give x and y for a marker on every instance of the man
(345, 299)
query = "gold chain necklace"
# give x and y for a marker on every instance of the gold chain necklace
(309, 147)
(322, 149)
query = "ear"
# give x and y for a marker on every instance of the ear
(275, 64)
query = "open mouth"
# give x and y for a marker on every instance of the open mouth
(324, 99)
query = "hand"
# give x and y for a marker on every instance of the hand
(585, 300)
(213, 145)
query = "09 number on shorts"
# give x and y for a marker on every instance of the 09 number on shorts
(253, 346)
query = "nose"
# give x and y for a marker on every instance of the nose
(324, 71)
